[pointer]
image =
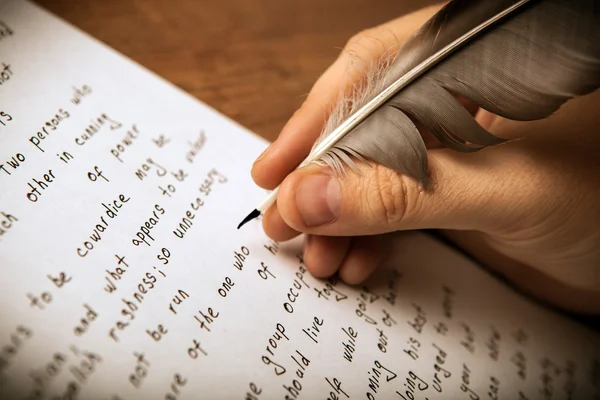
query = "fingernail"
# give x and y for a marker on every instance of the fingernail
(319, 199)
(263, 154)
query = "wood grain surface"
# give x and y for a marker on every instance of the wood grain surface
(253, 60)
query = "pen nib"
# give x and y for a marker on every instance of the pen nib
(254, 214)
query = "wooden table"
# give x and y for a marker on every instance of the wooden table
(253, 60)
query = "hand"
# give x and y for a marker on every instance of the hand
(529, 209)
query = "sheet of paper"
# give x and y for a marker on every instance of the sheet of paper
(122, 275)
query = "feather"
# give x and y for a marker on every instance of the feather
(519, 59)
(532, 59)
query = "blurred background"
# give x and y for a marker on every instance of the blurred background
(253, 60)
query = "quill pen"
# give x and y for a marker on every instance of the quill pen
(519, 59)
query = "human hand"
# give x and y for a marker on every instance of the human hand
(529, 209)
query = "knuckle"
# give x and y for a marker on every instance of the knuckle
(391, 197)
(358, 38)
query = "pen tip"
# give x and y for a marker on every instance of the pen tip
(254, 214)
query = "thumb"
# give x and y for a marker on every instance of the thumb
(467, 192)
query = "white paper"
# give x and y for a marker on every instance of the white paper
(219, 313)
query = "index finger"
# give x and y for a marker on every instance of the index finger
(303, 129)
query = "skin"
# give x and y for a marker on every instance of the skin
(529, 209)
